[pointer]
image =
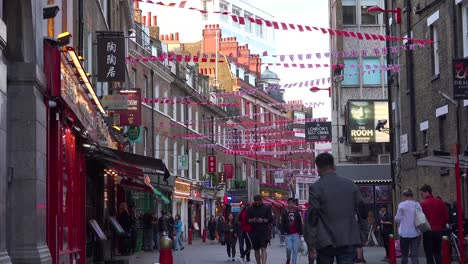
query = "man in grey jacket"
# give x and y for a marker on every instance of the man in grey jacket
(332, 220)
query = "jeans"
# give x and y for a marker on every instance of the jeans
(432, 242)
(245, 252)
(408, 245)
(293, 243)
(344, 255)
(156, 238)
(178, 242)
(148, 239)
(273, 229)
(231, 248)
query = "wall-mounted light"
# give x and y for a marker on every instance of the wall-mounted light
(50, 11)
(77, 64)
(63, 38)
(376, 10)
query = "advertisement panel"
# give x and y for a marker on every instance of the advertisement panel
(368, 121)
(460, 79)
(318, 131)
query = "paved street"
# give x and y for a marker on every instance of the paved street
(201, 253)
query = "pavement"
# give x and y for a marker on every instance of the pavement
(208, 253)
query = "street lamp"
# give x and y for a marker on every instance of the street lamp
(376, 10)
(316, 89)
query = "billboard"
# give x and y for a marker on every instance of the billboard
(318, 131)
(368, 121)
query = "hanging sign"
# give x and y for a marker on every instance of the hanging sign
(111, 56)
(134, 133)
(318, 131)
(131, 116)
(229, 171)
(211, 164)
(182, 162)
(279, 177)
(115, 102)
(460, 79)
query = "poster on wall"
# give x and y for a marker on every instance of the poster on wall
(368, 121)
(367, 194)
(383, 194)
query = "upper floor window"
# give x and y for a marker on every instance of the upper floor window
(236, 11)
(373, 78)
(145, 87)
(366, 18)
(262, 115)
(351, 76)
(349, 12)
(435, 50)
(248, 24)
(224, 7)
(260, 29)
(134, 77)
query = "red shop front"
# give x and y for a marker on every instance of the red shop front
(72, 120)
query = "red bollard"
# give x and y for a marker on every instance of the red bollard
(189, 238)
(391, 250)
(165, 256)
(204, 236)
(446, 258)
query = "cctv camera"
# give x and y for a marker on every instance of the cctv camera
(50, 11)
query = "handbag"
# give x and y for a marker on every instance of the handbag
(420, 220)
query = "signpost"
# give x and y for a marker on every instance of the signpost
(318, 131)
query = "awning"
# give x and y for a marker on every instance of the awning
(365, 173)
(443, 161)
(273, 202)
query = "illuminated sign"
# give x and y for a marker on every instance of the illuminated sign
(182, 188)
(368, 121)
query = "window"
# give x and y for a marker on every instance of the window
(349, 12)
(356, 148)
(204, 165)
(145, 141)
(174, 109)
(303, 193)
(442, 132)
(182, 152)
(244, 171)
(219, 134)
(166, 106)
(189, 121)
(264, 174)
(248, 24)
(197, 125)
(252, 171)
(351, 76)
(262, 115)
(251, 110)
(366, 18)
(174, 157)
(156, 94)
(243, 106)
(263, 143)
(197, 166)
(373, 78)
(236, 11)
(145, 87)
(182, 113)
(157, 147)
(166, 151)
(134, 74)
(224, 7)
(260, 30)
(465, 29)
(435, 51)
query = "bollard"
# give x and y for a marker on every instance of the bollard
(446, 258)
(189, 238)
(165, 253)
(391, 250)
(204, 236)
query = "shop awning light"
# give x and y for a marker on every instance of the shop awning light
(76, 62)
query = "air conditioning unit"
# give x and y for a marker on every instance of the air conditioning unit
(383, 159)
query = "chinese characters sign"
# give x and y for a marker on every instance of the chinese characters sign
(111, 56)
(229, 171)
(211, 164)
(131, 116)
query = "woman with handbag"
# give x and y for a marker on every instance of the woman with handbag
(230, 237)
(410, 235)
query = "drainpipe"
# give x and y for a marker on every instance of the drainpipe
(152, 114)
(410, 77)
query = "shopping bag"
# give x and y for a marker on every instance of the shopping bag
(303, 250)
(397, 249)
(420, 220)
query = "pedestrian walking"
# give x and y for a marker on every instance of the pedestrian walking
(334, 202)
(170, 225)
(125, 221)
(410, 236)
(163, 224)
(220, 230)
(386, 229)
(179, 227)
(291, 222)
(438, 216)
(148, 231)
(245, 244)
(231, 228)
(372, 223)
(212, 229)
(364, 234)
(260, 216)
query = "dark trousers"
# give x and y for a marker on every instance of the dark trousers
(231, 248)
(408, 245)
(432, 242)
(245, 252)
(343, 255)
(386, 241)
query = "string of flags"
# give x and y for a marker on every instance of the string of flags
(292, 26)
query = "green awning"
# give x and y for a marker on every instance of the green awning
(162, 196)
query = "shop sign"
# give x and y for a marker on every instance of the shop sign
(182, 162)
(111, 56)
(134, 133)
(131, 116)
(307, 179)
(279, 176)
(115, 102)
(229, 171)
(318, 131)
(182, 188)
(299, 117)
(460, 79)
(368, 121)
(211, 164)
(195, 193)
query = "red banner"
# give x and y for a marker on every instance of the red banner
(131, 116)
(211, 164)
(229, 171)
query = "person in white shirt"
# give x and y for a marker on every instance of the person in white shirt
(410, 236)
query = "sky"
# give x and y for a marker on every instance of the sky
(304, 12)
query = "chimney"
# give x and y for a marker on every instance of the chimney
(154, 29)
(177, 36)
(172, 36)
(143, 20)
(149, 19)
(211, 38)
(137, 11)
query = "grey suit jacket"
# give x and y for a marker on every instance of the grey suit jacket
(334, 205)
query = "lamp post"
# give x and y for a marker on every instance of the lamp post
(316, 89)
(376, 10)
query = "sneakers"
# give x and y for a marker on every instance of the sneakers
(233, 259)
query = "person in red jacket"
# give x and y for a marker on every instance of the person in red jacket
(246, 228)
(437, 215)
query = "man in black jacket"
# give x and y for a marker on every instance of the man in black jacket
(291, 226)
(386, 228)
(259, 215)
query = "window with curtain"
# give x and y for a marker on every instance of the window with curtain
(366, 18)
(349, 12)
(370, 77)
(351, 68)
